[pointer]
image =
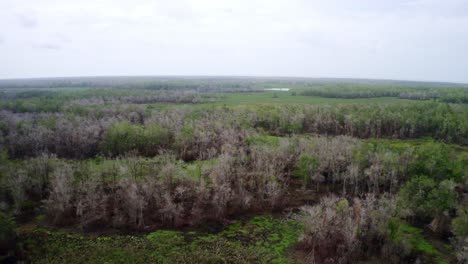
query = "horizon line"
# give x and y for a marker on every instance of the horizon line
(234, 76)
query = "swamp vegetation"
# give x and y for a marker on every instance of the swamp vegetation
(222, 171)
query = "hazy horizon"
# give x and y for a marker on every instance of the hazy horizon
(195, 77)
(419, 40)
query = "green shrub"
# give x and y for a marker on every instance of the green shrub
(121, 138)
(460, 223)
(342, 206)
(185, 137)
(154, 137)
(426, 198)
(433, 160)
(261, 139)
(411, 237)
(7, 237)
(7, 227)
(306, 166)
(408, 242)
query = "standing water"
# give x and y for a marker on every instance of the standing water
(277, 89)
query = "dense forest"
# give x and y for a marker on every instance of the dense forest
(219, 170)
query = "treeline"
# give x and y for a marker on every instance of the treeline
(440, 121)
(166, 82)
(192, 133)
(443, 94)
(54, 101)
(147, 83)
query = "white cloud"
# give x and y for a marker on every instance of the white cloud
(423, 39)
(49, 46)
(27, 21)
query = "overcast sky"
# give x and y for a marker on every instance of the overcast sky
(398, 39)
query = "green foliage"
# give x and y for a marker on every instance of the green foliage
(121, 138)
(426, 197)
(7, 228)
(411, 236)
(444, 196)
(162, 236)
(153, 137)
(43, 246)
(432, 159)
(262, 239)
(411, 241)
(3, 129)
(8, 238)
(460, 223)
(342, 206)
(185, 137)
(166, 242)
(196, 169)
(415, 92)
(124, 137)
(306, 166)
(3, 156)
(41, 104)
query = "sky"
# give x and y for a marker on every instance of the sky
(400, 39)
